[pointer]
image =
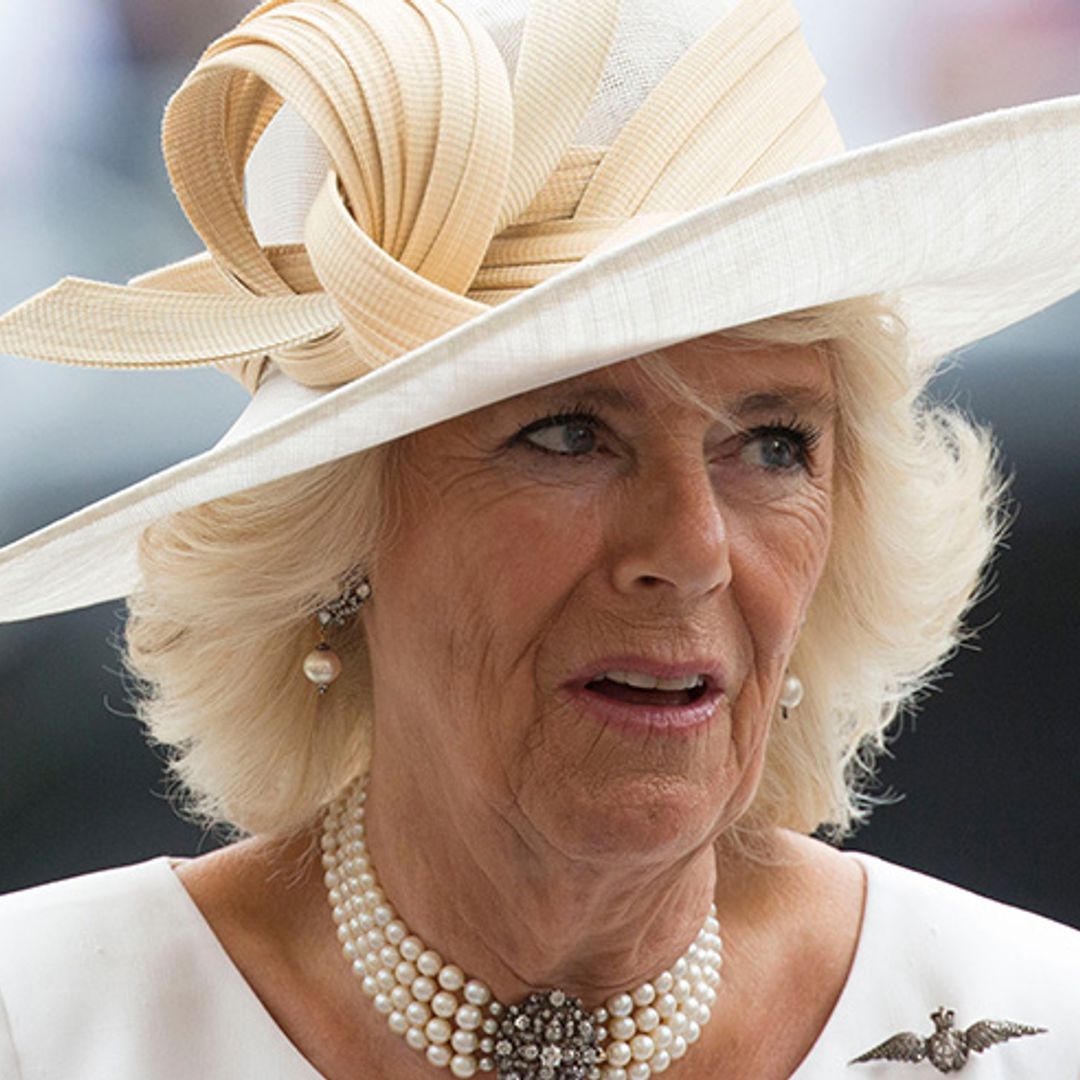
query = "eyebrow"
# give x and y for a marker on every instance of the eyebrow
(799, 397)
(792, 397)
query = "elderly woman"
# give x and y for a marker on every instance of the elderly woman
(527, 659)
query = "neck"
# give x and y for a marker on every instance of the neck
(491, 896)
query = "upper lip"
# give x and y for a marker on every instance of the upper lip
(708, 668)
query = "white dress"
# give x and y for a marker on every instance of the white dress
(117, 976)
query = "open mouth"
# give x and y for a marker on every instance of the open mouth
(635, 690)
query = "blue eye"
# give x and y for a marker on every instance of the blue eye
(569, 435)
(781, 447)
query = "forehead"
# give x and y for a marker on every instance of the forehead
(713, 374)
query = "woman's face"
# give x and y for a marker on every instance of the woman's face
(561, 553)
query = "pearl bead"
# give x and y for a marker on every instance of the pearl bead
(476, 993)
(428, 963)
(678, 1048)
(322, 666)
(395, 932)
(614, 1073)
(386, 980)
(451, 977)
(463, 1065)
(411, 948)
(639, 1070)
(423, 988)
(618, 1053)
(439, 1055)
(370, 985)
(693, 1032)
(389, 956)
(791, 691)
(401, 998)
(469, 1017)
(417, 1013)
(397, 1023)
(383, 1004)
(678, 1023)
(464, 1042)
(682, 989)
(384, 914)
(405, 973)
(438, 1030)
(646, 1019)
(416, 1038)
(620, 1005)
(645, 994)
(666, 1004)
(622, 1027)
(660, 1062)
(664, 982)
(444, 1004)
(662, 1036)
(642, 1047)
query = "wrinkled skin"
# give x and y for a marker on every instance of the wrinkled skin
(525, 554)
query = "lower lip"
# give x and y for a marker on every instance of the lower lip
(673, 720)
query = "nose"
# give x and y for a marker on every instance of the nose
(670, 537)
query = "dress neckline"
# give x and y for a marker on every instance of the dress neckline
(836, 1043)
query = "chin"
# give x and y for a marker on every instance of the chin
(638, 817)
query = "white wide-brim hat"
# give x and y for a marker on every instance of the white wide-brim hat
(497, 199)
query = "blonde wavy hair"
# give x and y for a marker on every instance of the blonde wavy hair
(223, 618)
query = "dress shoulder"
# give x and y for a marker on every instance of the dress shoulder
(961, 931)
(924, 945)
(116, 976)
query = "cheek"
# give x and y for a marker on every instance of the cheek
(777, 559)
(471, 593)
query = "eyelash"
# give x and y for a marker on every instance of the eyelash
(803, 435)
(575, 414)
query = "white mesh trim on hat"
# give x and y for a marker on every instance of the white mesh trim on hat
(289, 164)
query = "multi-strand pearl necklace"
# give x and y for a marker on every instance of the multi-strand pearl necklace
(454, 1021)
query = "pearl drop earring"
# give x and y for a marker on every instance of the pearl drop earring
(322, 665)
(791, 693)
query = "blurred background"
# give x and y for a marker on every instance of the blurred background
(983, 786)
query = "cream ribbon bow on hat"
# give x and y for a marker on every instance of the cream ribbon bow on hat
(449, 190)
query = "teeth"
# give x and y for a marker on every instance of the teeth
(641, 681)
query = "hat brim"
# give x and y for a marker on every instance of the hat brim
(970, 227)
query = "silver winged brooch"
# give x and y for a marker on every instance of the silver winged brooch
(948, 1047)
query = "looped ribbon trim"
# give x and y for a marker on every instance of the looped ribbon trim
(449, 190)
